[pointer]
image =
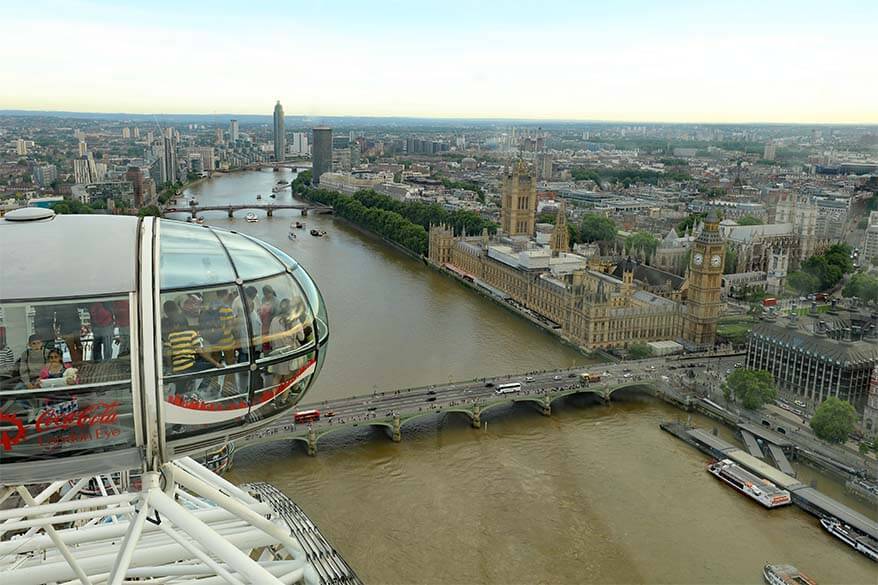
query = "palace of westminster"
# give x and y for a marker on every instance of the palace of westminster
(594, 302)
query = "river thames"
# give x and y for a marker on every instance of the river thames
(592, 494)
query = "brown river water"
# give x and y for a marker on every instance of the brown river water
(592, 494)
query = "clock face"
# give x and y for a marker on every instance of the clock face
(699, 259)
(715, 261)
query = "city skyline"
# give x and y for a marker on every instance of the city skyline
(633, 62)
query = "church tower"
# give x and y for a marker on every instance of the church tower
(560, 234)
(705, 280)
(518, 204)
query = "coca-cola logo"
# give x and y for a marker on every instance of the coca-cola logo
(102, 413)
(8, 439)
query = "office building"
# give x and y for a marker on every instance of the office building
(321, 153)
(870, 241)
(136, 132)
(169, 160)
(769, 151)
(818, 355)
(83, 148)
(233, 131)
(219, 136)
(20, 147)
(280, 139)
(300, 143)
(135, 176)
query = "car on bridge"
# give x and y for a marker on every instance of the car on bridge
(556, 377)
(489, 384)
(529, 379)
(431, 392)
(431, 399)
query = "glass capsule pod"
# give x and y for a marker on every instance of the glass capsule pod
(127, 342)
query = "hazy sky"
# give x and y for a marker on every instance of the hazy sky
(766, 60)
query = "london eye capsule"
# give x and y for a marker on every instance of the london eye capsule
(129, 342)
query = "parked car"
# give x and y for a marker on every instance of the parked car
(489, 384)
(431, 399)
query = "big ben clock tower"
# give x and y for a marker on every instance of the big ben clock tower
(705, 280)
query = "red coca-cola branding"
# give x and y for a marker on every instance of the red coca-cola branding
(102, 413)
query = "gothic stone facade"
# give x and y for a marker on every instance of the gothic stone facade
(592, 309)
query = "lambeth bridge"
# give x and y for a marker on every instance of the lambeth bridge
(671, 379)
(269, 208)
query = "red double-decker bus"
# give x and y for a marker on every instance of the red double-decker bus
(306, 416)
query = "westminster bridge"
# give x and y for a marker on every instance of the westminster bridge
(672, 379)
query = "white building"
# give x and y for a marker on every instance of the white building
(870, 242)
(81, 171)
(20, 147)
(350, 183)
(83, 148)
(126, 132)
(300, 144)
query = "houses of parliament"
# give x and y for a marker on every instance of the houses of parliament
(595, 302)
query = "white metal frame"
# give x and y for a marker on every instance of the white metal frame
(185, 526)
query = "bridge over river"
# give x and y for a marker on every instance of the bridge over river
(269, 208)
(673, 379)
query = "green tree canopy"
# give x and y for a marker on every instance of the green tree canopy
(752, 387)
(803, 283)
(639, 351)
(863, 286)
(749, 220)
(834, 420)
(641, 244)
(151, 210)
(689, 222)
(597, 228)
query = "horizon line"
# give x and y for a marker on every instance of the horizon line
(13, 111)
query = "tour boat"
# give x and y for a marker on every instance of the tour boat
(318, 233)
(275, 190)
(860, 542)
(785, 575)
(259, 196)
(300, 225)
(199, 220)
(251, 217)
(291, 236)
(752, 486)
(272, 195)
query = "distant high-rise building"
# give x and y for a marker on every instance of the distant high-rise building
(126, 133)
(150, 137)
(81, 171)
(169, 160)
(45, 174)
(300, 143)
(136, 132)
(280, 139)
(518, 201)
(135, 176)
(233, 130)
(20, 147)
(321, 153)
(169, 133)
(83, 148)
(560, 233)
(219, 136)
(769, 152)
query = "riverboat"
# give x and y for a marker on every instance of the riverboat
(259, 196)
(272, 195)
(199, 220)
(300, 225)
(752, 486)
(318, 233)
(859, 542)
(291, 235)
(785, 575)
(251, 217)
